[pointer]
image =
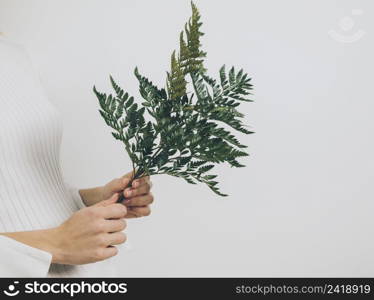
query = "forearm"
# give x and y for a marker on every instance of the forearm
(83, 238)
(41, 239)
(91, 196)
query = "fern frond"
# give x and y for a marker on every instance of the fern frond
(176, 83)
(187, 132)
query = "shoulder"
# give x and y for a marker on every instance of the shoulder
(13, 52)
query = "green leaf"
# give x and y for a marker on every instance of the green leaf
(187, 127)
(129, 102)
(205, 169)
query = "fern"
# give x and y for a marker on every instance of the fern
(185, 137)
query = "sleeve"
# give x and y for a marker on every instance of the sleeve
(74, 193)
(21, 260)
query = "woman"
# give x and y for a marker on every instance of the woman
(48, 228)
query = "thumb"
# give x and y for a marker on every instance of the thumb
(109, 201)
(120, 184)
(125, 179)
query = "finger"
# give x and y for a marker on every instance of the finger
(119, 184)
(114, 225)
(137, 212)
(116, 238)
(109, 252)
(129, 175)
(140, 181)
(109, 201)
(142, 200)
(114, 211)
(141, 190)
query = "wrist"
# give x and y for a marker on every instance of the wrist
(93, 195)
(51, 242)
(48, 240)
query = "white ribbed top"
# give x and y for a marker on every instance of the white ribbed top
(33, 193)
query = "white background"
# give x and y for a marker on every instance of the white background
(304, 204)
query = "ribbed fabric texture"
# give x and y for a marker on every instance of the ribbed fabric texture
(33, 193)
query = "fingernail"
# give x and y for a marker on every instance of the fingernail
(128, 193)
(136, 184)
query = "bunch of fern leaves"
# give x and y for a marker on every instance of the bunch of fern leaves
(187, 133)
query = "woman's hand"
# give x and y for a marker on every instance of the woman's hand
(137, 197)
(90, 234)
